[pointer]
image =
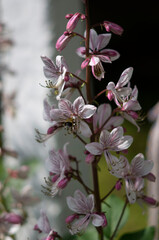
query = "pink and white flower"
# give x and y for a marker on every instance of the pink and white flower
(110, 141)
(97, 54)
(139, 168)
(63, 40)
(43, 226)
(119, 92)
(73, 115)
(56, 73)
(58, 165)
(84, 213)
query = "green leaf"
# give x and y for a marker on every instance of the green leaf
(144, 234)
(113, 214)
(90, 234)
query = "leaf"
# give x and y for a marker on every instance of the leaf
(113, 214)
(144, 234)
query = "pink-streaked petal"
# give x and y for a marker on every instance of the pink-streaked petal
(84, 129)
(46, 111)
(94, 148)
(78, 105)
(87, 111)
(125, 77)
(104, 137)
(103, 113)
(104, 58)
(43, 222)
(125, 143)
(97, 220)
(103, 40)
(65, 106)
(85, 63)
(141, 167)
(93, 39)
(57, 115)
(112, 54)
(80, 225)
(116, 134)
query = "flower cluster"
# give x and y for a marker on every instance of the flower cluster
(98, 126)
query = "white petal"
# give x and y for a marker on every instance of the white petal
(94, 148)
(84, 129)
(103, 40)
(97, 220)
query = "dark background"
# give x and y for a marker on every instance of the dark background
(138, 45)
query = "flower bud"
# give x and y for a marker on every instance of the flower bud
(68, 16)
(73, 22)
(85, 63)
(110, 95)
(89, 158)
(118, 185)
(63, 41)
(113, 27)
(151, 177)
(149, 200)
(13, 218)
(70, 218)
(63, 183)
(51, 130)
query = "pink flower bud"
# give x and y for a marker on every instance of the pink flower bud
(70, 218)
(149, 200)
(13, 218)
(73, 22)
(54, 179)
(36, 228)
(63, 41)
(118, 185)
(110, 95)
(51, 130)
(89, 158)
(151, 177)
(83, 17)
(63, 183)
(85, 63)
(68, 16)
(113, 27)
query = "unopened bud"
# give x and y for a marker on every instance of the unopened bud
(118, 185)
(63, 183)
(70, 218)
(68, 16)
(149, 200)
(13, 218)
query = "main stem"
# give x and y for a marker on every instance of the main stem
(89, 99)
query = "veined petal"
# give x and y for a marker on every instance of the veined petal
(93, 39)
(104, 138)
(98, 71)
(78, 105)
(125, 143)
(87, 111)
(65, 106)
(125, 77)
(103, 40)
(90, 202)
(95, 148)
(130, 119)
(114, 122)
(57, 115)
(112, 54)
(43, 222)
(141, 167)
